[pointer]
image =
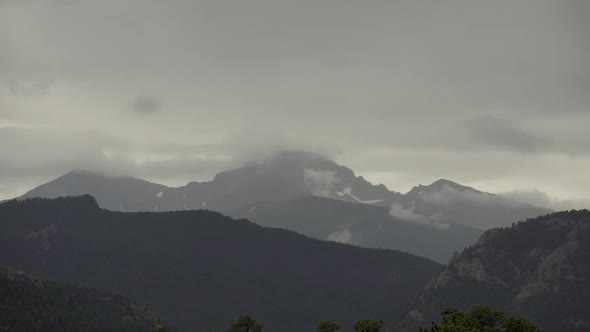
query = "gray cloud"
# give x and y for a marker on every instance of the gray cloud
(394, 89)
(451, 196)
(343, 236)
(35, 89)
(409, 214)
(495, 132)
(43, 153)
(40, 153)
(146, 104)
(321, 182)
(540, 198)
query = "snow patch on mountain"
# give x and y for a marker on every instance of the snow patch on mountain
(348, 192)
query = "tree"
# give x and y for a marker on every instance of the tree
(328, 326)
(161, 328)
(368, 325)
(485, 317)
(512, 324)
(479, 319)
(245, 324)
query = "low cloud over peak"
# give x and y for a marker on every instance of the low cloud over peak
(471, 91)
(542, 199)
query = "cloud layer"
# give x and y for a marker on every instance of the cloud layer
(539, 198)
(403, 92)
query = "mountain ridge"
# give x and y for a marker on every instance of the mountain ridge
(284, 175)
(202, 269)
(365, 225)
(537, 268)
(449, 214)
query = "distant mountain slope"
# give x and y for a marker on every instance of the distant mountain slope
(361, 224)
(29, 304)
(120, 193)
(448, 200)
(539, 269)
(288, 175)
(200, 270)
(283, 175)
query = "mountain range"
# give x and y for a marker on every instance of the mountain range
(360, 224)
(200, 270)
(317, 191)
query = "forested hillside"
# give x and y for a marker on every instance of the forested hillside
(538, 269)
(28, 304)
(200, 269)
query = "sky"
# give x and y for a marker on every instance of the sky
(491, 94)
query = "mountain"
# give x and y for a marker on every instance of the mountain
(118, 193)
(538, 269)
(290, 174)
(287, 175)
(287, 189)
(361, 224)
(200, 269)
(29, 304)
(284, 175)
(447, 200)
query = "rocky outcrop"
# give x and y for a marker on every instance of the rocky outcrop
(539, 269)
(10, 274)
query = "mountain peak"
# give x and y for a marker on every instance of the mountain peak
(439, 184)
(444, 182)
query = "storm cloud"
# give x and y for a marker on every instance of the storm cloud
(492, 94)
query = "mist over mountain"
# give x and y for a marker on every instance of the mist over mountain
(121, 193)
(308, 193)
(537, 268)
(294, 162)
(283, 175)
(364, 225)
(465, 205)
(201, 270)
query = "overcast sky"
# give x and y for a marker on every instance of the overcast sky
(492, 94)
